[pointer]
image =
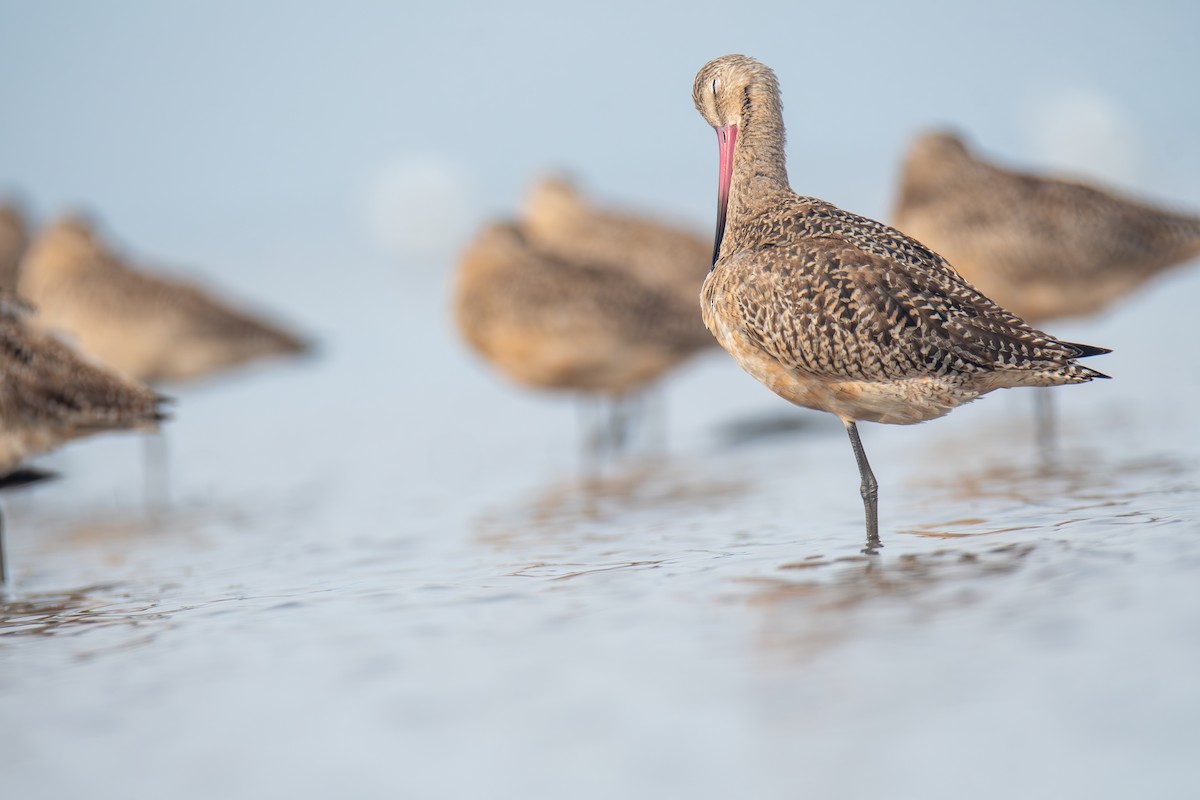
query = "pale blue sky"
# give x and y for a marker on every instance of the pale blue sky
(181, 122)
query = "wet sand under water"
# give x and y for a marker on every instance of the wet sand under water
(419, 596)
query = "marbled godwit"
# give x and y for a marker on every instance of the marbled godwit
(557, 219)
(837, 312)
(151, 328)
(560, 221)
(49, 394)
(14, 238)
(1039, 246)
(553, 324)
(1042, 247)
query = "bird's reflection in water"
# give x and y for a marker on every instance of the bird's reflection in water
(74, 610)
(817, 603)
(1003, 498)
(767, 427)
(596, 506)
(811, 604)
(73, 529)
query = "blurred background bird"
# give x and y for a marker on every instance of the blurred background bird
(149, 326)
(50, 395)
(571, 322)
(1044, 247)
(560, 221)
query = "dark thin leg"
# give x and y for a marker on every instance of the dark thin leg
(1045, 428)
(5, 586)
(869, 489)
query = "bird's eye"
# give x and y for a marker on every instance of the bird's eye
(714, 86)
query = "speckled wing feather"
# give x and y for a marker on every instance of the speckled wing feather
(869, 303)
(49, 385)
(46, 379)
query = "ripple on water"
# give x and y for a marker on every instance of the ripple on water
(1090, 493)
(599, 505)
(73, 611)
(817, 603)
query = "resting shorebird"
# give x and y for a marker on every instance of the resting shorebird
(49, 394)
(569, 325)
(149, 327)
(840, 313)
(1042, 247)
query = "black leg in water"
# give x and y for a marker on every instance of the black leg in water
(5, 586)
(869, 489)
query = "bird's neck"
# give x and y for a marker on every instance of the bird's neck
(759, 163)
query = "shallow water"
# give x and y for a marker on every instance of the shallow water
(376, 581)
(383, 573)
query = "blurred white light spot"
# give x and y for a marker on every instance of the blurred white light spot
(421, 207)
(1080, 132)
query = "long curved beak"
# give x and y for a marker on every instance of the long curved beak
(726, 138)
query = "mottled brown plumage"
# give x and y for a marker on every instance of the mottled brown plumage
(14, 238)
(560, 221)
(555, 324)
(1041, 246)
(837, 312)
(50, 394)
(149, 327)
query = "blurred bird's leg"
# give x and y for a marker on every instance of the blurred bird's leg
(623, 411)
(6, 588)
(594, 428)
(155, 467)
(644, 423)
(869, 489)
(639, 418)
(656, 419)
(1045, 427)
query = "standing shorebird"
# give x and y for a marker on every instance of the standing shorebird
(549, 323)
(840, 313)
(150, 327)
(14, 238)
(558, 220)
(1040, 246)
(49, 394)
